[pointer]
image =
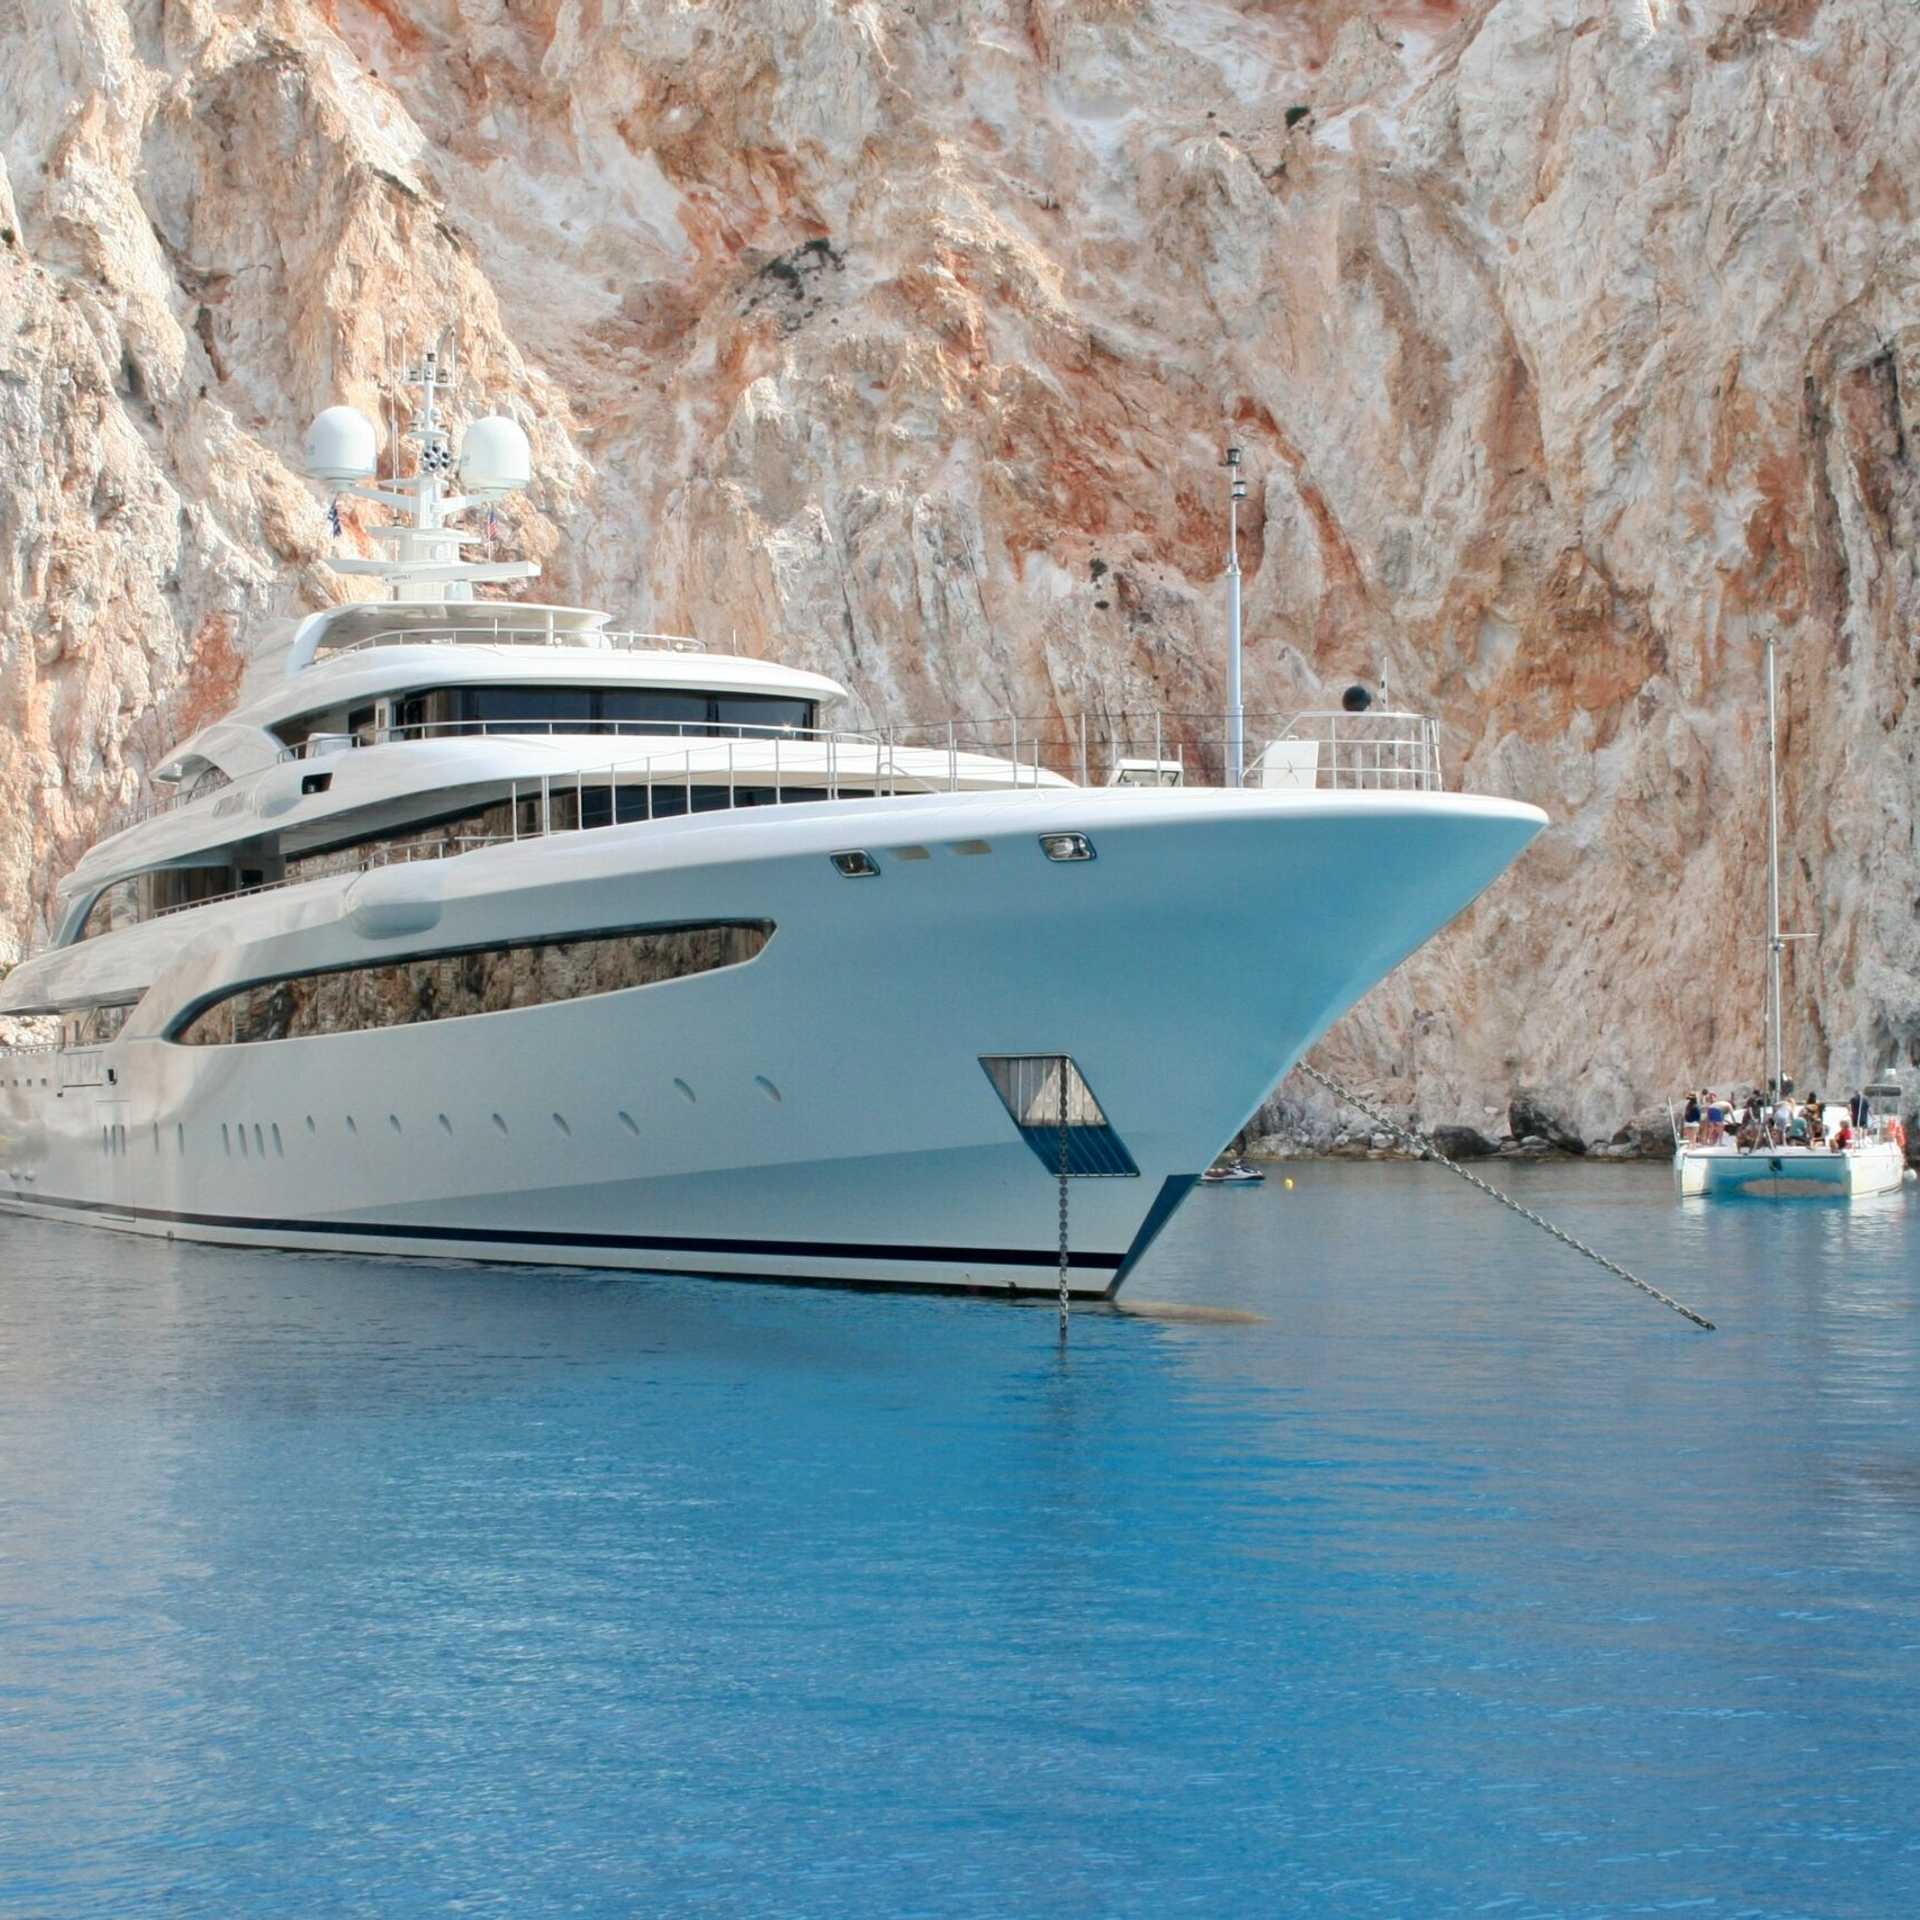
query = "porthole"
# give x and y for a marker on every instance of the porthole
(970, 846)
(446, 1125)
(311, 1128)
(279, 1152)
(259, 1141)
(241, 1130)
(393, 1120)
(767, 1087)
(560, 1121)
(352, 1126)
(855, 865)
(627, 1121)
(500, 1126)
(685, 1091)
(911, 853)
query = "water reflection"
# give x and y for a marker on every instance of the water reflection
(1461, 1574)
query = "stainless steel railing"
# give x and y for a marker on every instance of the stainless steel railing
(530, 634)
(322, 746)
(1317, 750)
(1320, 750)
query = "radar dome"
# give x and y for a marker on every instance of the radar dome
(340, 445)
(495, 456)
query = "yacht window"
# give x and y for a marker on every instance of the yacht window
(93, 1026)
(117, 906)
(667, 800)
(164, 888)
(504, 709)
(451, 986)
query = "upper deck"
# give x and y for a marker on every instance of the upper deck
(432, 722)
(333, 664)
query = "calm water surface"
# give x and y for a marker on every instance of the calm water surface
(1467, 1582)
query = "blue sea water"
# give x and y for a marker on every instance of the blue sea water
(1464, 1581)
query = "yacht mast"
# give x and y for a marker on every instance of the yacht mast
(424, 563)
(1236, 717)
(1774, 941)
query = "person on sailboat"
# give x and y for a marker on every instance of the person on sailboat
(1690, 1120)
(1860, 1110)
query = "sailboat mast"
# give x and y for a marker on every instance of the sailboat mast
(1774, 942)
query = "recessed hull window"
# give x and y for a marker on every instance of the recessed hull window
(453, 986)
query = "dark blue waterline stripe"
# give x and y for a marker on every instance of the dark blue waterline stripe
(622, 1242)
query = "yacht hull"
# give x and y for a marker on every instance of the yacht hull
(1789, 1173)
(819, 1114)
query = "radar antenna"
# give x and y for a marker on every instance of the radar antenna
(424, 562)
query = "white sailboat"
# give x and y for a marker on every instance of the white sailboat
(1835, 1152)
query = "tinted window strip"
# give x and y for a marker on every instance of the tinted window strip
(459, 983)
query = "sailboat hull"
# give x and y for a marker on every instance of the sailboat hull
(1788, 1173)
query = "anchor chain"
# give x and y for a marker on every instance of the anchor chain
(1425, 1148)
(1064, 1175)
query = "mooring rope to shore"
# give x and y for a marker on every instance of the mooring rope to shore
(1425, 1148)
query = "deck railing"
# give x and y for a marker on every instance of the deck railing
(546, 633)
(1321, 750)
(1318, 750)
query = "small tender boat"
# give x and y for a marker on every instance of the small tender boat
(1232, 1173)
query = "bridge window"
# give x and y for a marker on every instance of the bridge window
(453, 986)
(450, 711)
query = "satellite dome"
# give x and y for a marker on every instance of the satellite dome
(495, 456)
(340, 446)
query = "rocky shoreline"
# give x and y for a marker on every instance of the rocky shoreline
(1536, 1129)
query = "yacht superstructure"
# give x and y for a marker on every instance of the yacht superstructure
(481, 929)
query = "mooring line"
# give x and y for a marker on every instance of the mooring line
(1428, 1151)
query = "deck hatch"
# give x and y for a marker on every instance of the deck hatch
(1029, 1086)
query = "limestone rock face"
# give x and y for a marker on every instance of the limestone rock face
(1573, 344)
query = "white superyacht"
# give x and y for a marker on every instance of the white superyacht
(480, 930)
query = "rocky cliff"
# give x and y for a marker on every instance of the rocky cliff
(1573, 343)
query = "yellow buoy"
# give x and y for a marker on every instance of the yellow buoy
(1289, 1183)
